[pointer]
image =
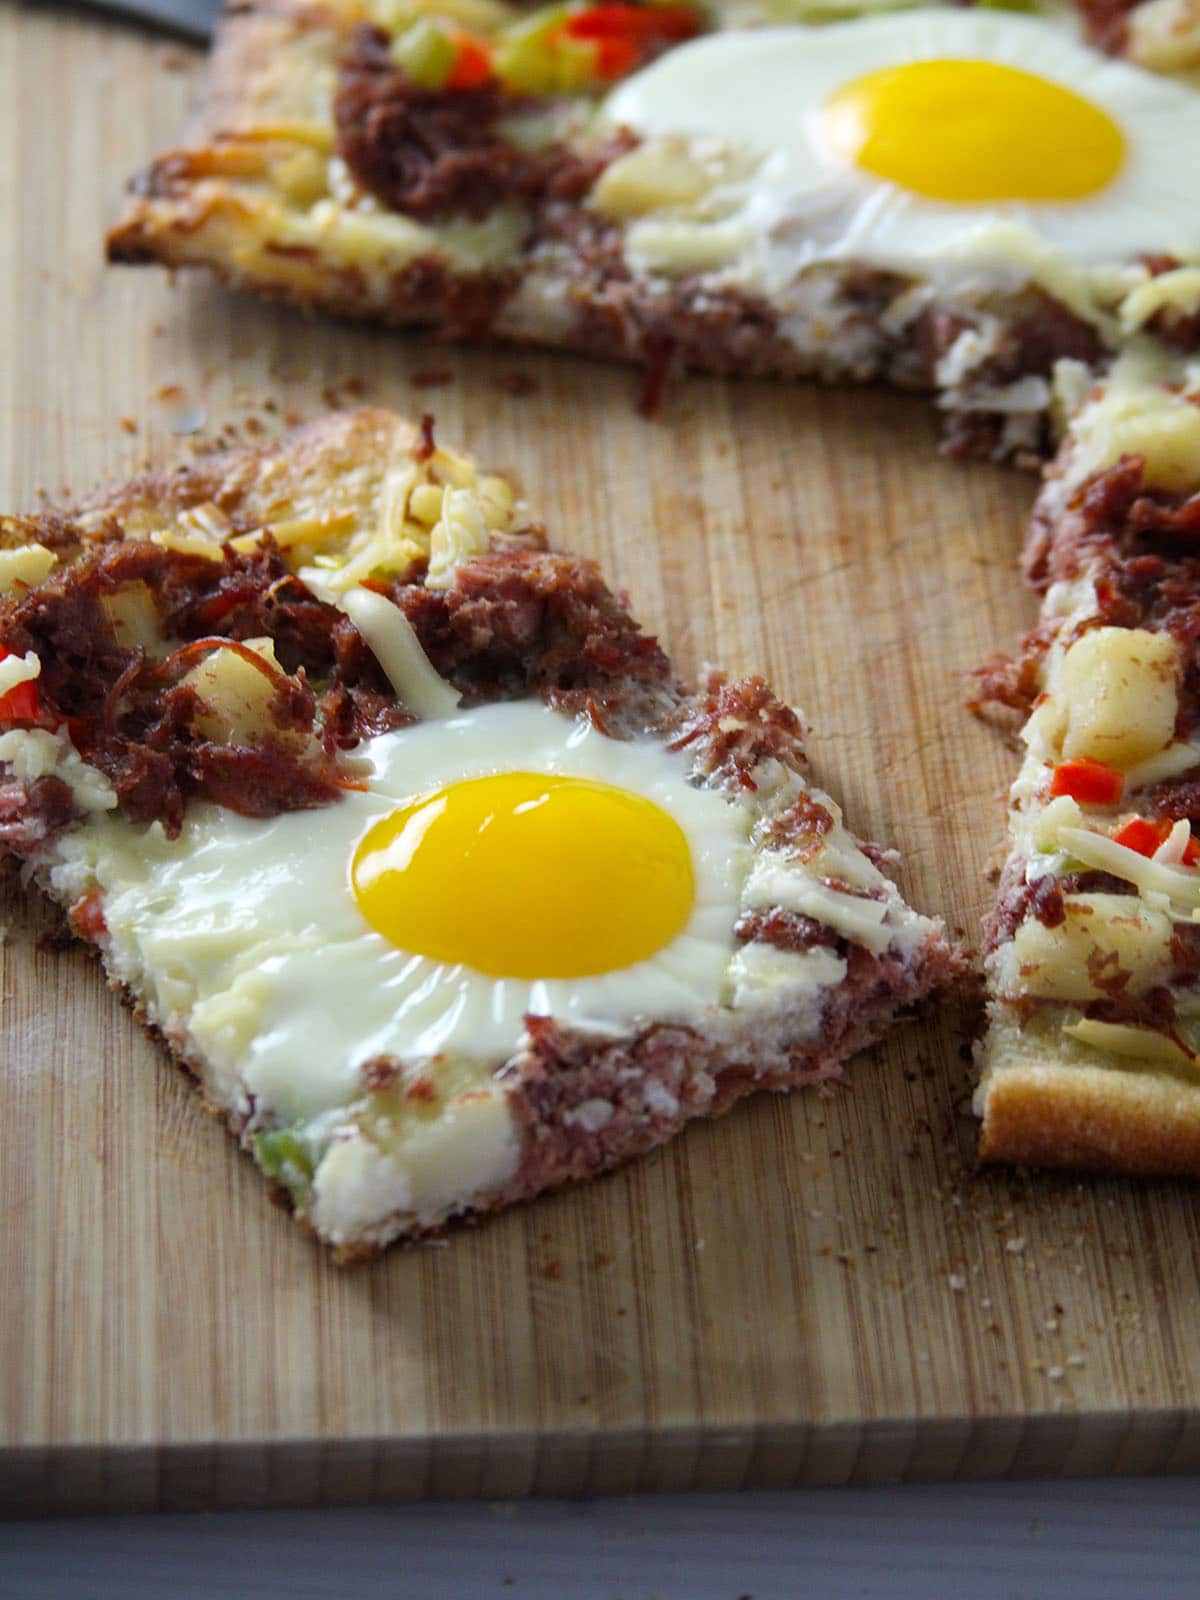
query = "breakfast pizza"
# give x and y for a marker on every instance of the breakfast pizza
(951, 200)
(406, 840)
(1092, 1053)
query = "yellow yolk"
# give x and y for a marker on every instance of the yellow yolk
(527, 876)
(973, 130)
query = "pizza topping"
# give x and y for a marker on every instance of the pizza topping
(220, 717)
(33, 812)
(1105, 944)
(1178, 884)
(433, 152)
(395, 646)
(1118, 688)
(1160, 839)
(24, 566)
(1134, 1042)
(1090, 782)
(18, 687)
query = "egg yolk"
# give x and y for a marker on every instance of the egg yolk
(524, 875)
(973, 130)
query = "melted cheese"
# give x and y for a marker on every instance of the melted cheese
(395, 646)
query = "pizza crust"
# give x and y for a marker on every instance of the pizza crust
(1141, 1123)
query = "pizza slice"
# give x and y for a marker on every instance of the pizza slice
(948, 200)
(405, 839)
(1092, 1053)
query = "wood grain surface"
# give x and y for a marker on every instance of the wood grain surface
(816, 1289)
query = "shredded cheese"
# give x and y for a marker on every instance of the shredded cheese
(1122, 1039)
(398, 650)
(1180, 884)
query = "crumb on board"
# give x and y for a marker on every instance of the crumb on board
(518, 384)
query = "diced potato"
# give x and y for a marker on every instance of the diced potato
(1060, 813)
(235, 695)
(655, 176)
(15, 670)
(1164, 35)
(479, 16)
(677, 247)
(1119, 687)
(303, 175)
(25, 566)
(1103, 936)
(425, 503)
(1177, 291)
(133, 617)
(1140, 414)
(496, 500)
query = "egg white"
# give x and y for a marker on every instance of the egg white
(763, 91)
(248, 934)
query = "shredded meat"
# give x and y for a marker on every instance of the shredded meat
(1177, 799)
(1012, 683)
(33, 813)
(435, 153)
(688, 322)
(1114, 518)
(1185, 952)
(786, 930)
(136, 722)
(522, 621)
(1154, 1009)
(1017, 900)
(732, 727)
(1106, 23)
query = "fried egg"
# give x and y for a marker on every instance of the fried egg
(501, 862)
(922, 139)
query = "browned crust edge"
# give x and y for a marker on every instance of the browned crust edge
(248, 33)
(1092, 1119)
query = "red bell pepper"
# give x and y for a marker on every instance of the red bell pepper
(1090, 782)
(1145, 836)
(472, 66)
(619, 19)
(622, 33)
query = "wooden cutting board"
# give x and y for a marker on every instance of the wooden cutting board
(816, 1289)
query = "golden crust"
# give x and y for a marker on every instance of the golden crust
(251, 192)
(1092, 1118)
(340, 452)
